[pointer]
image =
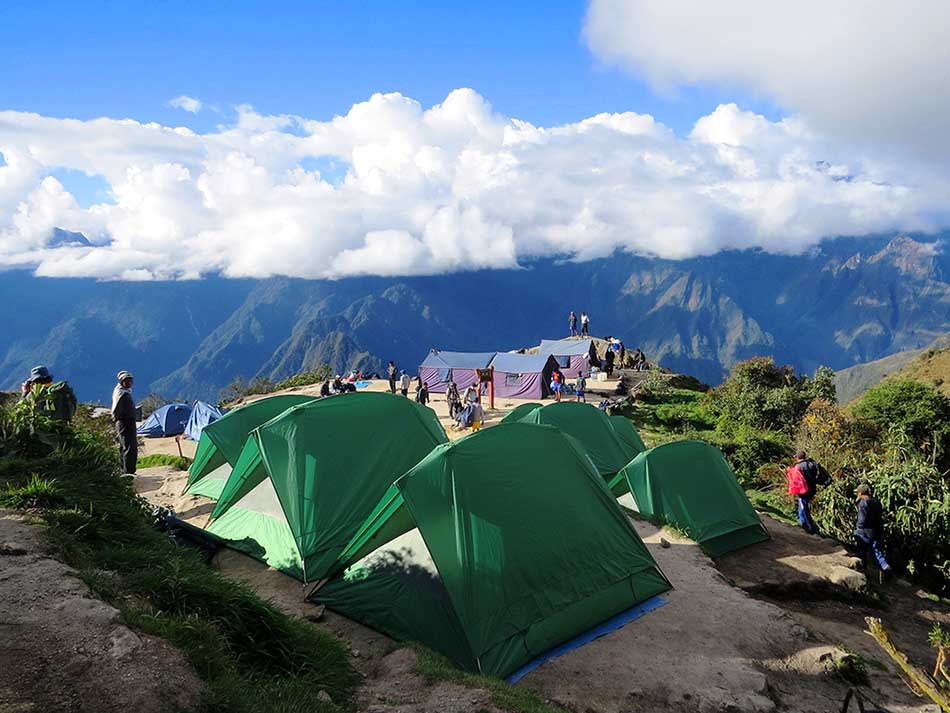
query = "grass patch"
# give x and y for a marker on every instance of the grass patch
(156, 459)
(36, 493)
(435, 667)
(252, 657)
(774, 504)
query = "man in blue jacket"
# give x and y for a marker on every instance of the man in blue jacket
(869, 528)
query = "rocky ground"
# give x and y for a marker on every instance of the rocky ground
(70, 650)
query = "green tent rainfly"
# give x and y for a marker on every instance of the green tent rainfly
(307, 479)
(690, 485)
(609, 446)
(495, 549)
(221, 442)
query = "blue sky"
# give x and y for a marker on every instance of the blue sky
(84, 60)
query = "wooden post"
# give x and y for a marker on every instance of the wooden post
(178, 443)
(491, 389)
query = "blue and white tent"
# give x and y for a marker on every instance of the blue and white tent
(201, 415)
(168, 420)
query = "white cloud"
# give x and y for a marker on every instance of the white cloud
(871, 72)
(186, 103)
(452, 187)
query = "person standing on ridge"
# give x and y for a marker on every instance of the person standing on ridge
(404, 383)
(869, 529)
(804, 477)
(56, 400)
(123, 413)
(572, 323)
(392, 374)
(585, 324)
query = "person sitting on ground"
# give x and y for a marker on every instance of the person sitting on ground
(57, 400)
(557, 381)
(580, 388)
(404, 383)
(804, 476)
(453, 399)
(123, 413)
(325, 389)
(422, 395)
(869, 529)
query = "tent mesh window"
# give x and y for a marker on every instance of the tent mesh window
(445, 375)
(564, 362)
(512, 379)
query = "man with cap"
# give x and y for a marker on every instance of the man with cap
(56, 400)
(123, 413)
(869, 528)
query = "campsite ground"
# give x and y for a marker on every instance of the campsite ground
(767, 628)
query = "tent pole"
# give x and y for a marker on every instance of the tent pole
(491, 390)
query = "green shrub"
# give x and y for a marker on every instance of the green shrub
(37, 493)
(156, 459)
(307, 378)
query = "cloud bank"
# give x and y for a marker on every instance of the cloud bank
(871, 72)
(393, 188)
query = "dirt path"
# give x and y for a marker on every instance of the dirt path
(63, 651)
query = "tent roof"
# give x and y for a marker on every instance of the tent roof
(223, 440)
(520, 363)
(457, 360)
(530, 547)
(330, 462)
(589, 425)
(565, 347)
(689, 484)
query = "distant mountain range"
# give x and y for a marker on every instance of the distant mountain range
(846, 302)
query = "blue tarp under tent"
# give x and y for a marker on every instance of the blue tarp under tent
(201, 415)
(169, 420)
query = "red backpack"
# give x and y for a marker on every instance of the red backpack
(797, 485)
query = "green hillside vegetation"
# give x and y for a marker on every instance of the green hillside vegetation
(896, 437)
(930, 365)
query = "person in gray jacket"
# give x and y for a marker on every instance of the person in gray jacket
(123, 413)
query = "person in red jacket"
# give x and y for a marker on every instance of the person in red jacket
(804, 476)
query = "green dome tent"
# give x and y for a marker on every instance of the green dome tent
(690, 485)
(307, 479)
(495, 549)
(221, 442)
(627, 433)
(593, 428)
(518, 412)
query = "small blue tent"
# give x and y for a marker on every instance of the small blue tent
(168, 420)
(201, 415)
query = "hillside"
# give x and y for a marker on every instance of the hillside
(847, 302)
(930, 365)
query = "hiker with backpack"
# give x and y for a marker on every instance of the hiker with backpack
(869, 529)
(804, 476)
(123, 413)
(55, 399)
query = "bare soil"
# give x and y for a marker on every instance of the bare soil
(63, 651)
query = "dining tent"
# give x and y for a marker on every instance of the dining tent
(441, 367)
(522, 376)
(574, 356)
(493, 550)
(690, 485)
(307, 479)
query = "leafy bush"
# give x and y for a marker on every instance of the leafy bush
(306, 378)
(179, 462)
(917, 410)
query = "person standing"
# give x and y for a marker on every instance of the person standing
(869, 528)
(404, 383)
(453, 399)
(585, 324)
(572, 323)
(392, 373)
(609, 362)
(557, 381)
(123, 413)
(422, 395)
(580, 388)
(56, 400)
(804, 476)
